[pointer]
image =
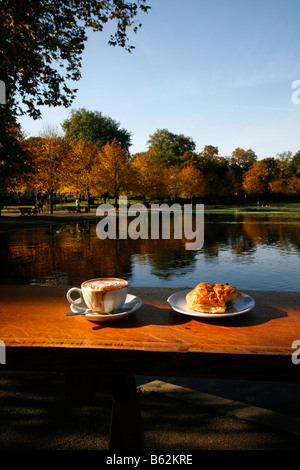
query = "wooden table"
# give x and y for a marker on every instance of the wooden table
(154, 341)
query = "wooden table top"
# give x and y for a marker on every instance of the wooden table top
(33, 317)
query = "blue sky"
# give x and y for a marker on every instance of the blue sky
(219, 71)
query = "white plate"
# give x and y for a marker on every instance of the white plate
(177, 302)
(131, 304)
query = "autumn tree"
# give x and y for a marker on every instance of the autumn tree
(278, 186)
(284, 158)
(293, 186)
(285, 180)
(48, 155)
(171, 178)
(209, 151)
(115, 170)
(191, 183)
(83, 167)
(256, 179)
(244, 159)
(149, 178)
(239, 162)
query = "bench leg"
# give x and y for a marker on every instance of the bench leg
(126, 431)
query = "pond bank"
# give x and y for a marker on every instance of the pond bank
(13, 221)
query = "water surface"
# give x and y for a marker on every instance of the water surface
(251, 251)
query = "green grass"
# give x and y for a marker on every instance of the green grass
(65, 205)
(272, 209)
(291, 209)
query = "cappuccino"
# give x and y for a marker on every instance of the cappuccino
(103, 295)
(105, 284)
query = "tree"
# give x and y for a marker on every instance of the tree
(171, 178)
(191, 183)
(255, 179)
(293, 186)
(190, 159)
(296, 163)
(48, 154)
(243, 158)
(14, 159)
(278, 185)
(82, 169)
(167, 148)
(42, 41)
(240, 161)
(214, 169)
(285, 179)
(148, 177)
(273, 168)
(115, 172)
(210, 151)
(41, 45)
(93, 126)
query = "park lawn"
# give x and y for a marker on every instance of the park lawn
(64, 205)
(288, 209)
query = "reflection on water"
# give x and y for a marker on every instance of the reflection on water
(250, 252)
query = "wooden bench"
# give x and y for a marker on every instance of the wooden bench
(25, 211)
(74, 209)
(71, 209)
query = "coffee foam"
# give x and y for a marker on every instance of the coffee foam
(109, 283)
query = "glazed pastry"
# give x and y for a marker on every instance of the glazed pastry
(210, 297)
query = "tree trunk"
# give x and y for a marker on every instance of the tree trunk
(88, 201)
(51, 202)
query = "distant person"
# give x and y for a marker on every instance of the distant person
(34, 209)
(40, 206)
(78, 205)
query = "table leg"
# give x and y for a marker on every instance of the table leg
(80, 386)
(126, 430)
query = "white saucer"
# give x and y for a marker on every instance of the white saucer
(131, 304)
(177, 302)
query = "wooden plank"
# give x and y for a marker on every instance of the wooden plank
(147, 363)
(34, 316)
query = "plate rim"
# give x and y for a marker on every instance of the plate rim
(209, 315)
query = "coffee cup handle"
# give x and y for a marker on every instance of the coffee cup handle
(76, 301)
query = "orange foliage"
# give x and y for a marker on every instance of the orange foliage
(255, 180)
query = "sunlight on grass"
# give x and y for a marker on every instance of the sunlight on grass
(292, 209)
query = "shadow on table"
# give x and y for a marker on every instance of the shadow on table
(152, 315)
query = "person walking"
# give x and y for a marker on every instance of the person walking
(40, 206)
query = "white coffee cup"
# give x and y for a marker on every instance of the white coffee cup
(102, 295)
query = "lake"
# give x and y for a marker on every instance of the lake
(255, 249)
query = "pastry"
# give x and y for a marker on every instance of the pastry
(208, 297)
